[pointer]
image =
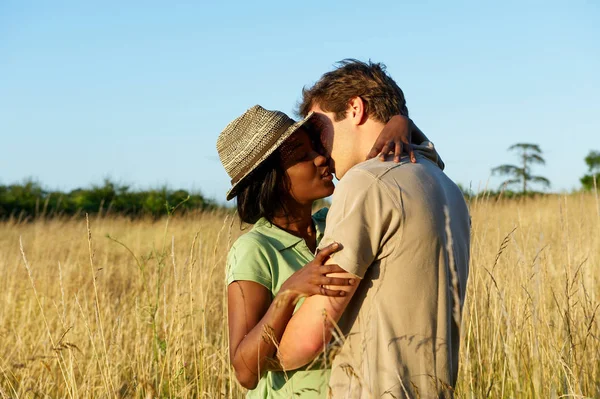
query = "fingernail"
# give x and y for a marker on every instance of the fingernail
(343, 293)
(351, 281)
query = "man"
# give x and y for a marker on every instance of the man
(404, 230)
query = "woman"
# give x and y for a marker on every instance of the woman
(277, 173)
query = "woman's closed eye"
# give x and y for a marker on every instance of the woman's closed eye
(305, 156)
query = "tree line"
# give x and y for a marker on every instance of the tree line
(31, 200)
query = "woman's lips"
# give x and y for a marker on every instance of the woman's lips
(327, 177)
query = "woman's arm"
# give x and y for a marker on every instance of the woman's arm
(257, 322)
(398, 136)
(417, 135)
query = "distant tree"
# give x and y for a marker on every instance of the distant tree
(529, 154)
(592, 160)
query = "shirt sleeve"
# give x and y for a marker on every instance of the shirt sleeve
(361, 218)
(427, 149)
(248, 261)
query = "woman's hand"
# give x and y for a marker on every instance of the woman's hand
(396, 136)
(312, 279)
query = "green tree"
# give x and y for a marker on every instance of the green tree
(592, 160)
(529, 154)
(21, 198)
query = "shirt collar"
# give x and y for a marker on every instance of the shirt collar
(319, 219)
(427, 149)
(281, 239)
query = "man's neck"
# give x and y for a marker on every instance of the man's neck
(367, 135)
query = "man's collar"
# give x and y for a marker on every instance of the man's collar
(427, 149)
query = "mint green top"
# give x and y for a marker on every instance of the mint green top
(268, 256)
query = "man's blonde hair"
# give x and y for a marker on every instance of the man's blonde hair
(380, 94)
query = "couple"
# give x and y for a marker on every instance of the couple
(376, 312)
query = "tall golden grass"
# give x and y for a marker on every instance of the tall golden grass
(119, 308)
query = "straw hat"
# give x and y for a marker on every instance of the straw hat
(249, 140)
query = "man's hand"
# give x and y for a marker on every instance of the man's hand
(396, 136)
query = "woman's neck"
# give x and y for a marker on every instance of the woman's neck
(298, 221)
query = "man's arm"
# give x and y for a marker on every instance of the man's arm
(361, 220)
(310, 329)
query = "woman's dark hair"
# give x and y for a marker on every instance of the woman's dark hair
(264, 192)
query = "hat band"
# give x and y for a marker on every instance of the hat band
(262, 152)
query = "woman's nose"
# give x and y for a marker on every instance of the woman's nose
(320, 160)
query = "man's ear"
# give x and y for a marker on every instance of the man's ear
(356, 111)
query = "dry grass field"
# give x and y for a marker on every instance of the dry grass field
(137, 309)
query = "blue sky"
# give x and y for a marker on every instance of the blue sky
(139, 91)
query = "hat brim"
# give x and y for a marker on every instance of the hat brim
(233, 192)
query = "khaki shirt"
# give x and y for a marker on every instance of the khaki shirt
(401, 328)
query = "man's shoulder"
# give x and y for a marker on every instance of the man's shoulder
(370, 174)
(358, 178)
(394, 173)
(424, 177)
(366, 179)
(425, 153)
(374, 168)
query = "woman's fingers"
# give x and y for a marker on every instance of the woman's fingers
(381, 145)
(375, 150)
(386, 150)
(331, 268)
(411, 153)
(327, 292)
(326, 252)
(398, 151)
(329, 281)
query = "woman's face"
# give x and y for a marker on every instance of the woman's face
(307, 170)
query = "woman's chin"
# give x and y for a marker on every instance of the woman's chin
(328, 190)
